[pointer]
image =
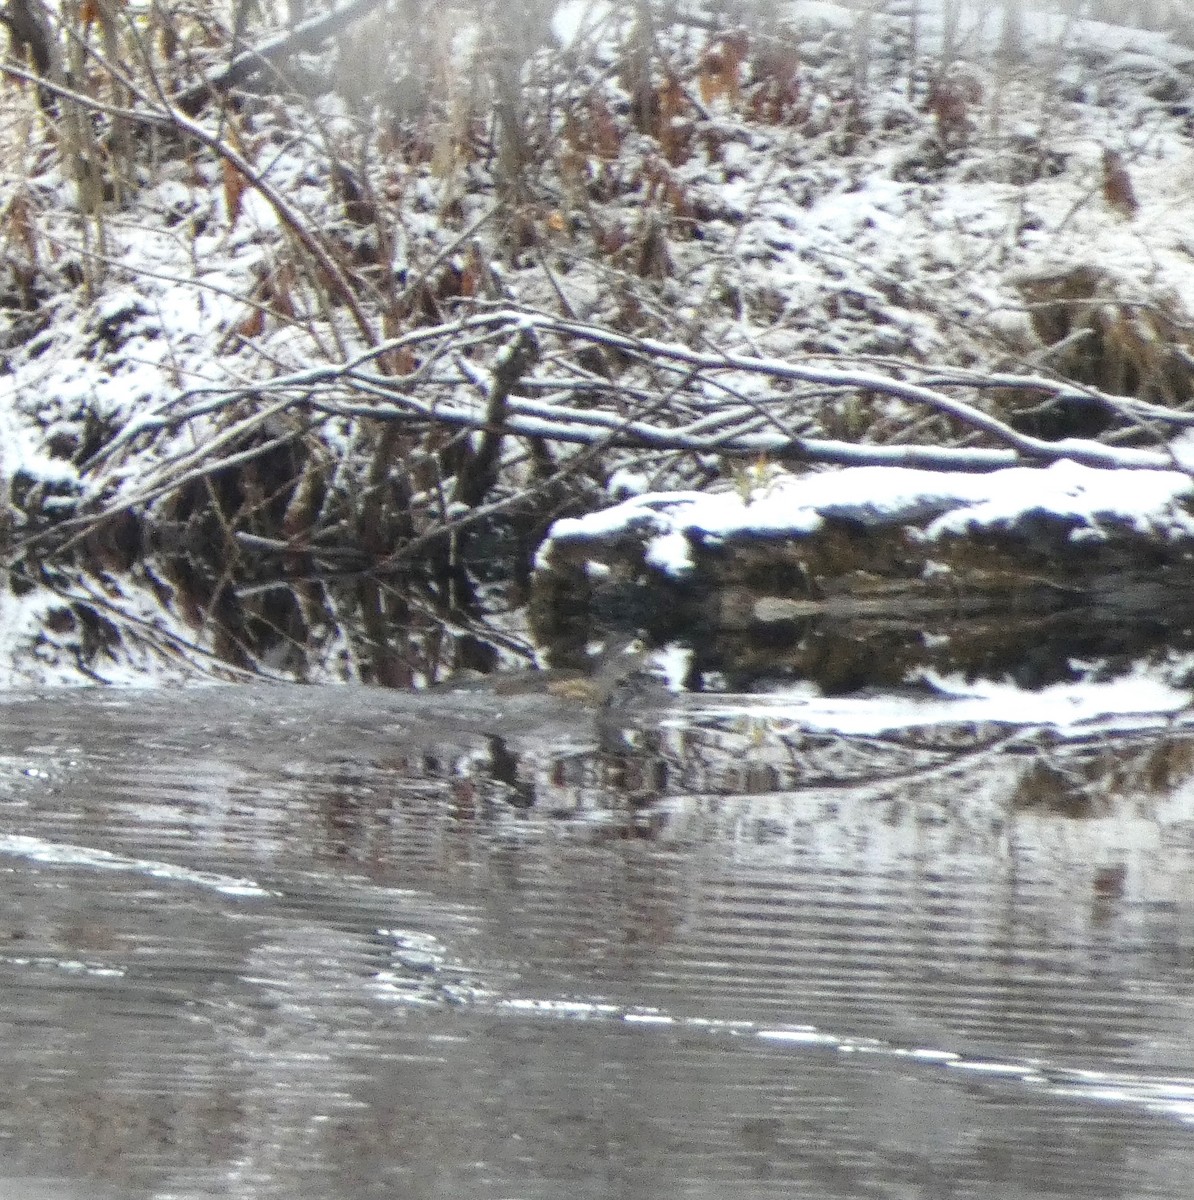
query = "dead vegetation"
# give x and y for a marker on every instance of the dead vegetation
(1116, 343)
(472, 272)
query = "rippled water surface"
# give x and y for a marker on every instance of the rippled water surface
(337, 943)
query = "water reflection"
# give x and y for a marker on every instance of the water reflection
(285, 942)
(170, 619)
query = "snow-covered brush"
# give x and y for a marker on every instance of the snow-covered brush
(492, 394)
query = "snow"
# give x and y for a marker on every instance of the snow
(576, 19)
(975, 28)
(41, 851)
(1146, 697)
(1155, 502)
(1149, 501)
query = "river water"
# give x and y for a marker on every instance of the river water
(339, 943)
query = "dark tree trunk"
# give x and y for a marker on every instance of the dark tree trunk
(31, 38)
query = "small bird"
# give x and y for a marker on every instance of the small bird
(614, 679)
(1117, 185)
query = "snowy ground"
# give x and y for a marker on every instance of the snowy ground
(904, 239)
(943, 503)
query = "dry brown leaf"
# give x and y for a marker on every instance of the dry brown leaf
(950, 101)
(1117, 185)
(19, 227)
(652, 257)
(280, 286)
(91, 12)
(611, 240)
(720, 71)
(674, 133)
(235, 186)
(574, 165)
(775, 96)
(400, 361)
(168, 39)
(606, 139)
(736, 44)
(358, 205)
(663, 188)
(303, 506)
(253, 324)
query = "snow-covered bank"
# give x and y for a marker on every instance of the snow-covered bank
(1093, 505)
(770, 209)
(869, 578)
(869, 540)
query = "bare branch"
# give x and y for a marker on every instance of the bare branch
(308, 35)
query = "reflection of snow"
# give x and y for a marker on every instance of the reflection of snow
(118, 630)
(42, 851)
(1146, 694)
(1170, 1096)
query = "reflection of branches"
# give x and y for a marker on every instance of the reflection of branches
(129, 634)
(1086, 774)
(784, 755)
(173, 617)
(709, 742)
